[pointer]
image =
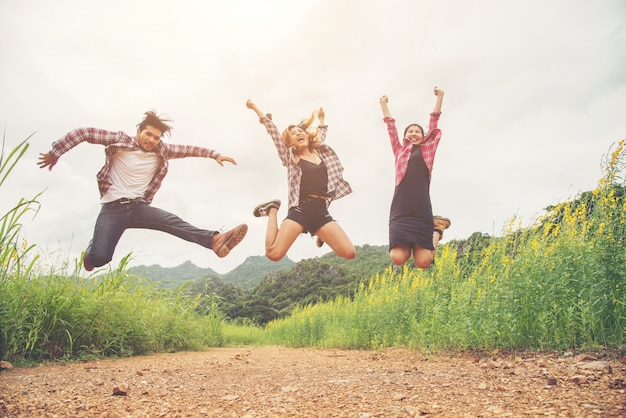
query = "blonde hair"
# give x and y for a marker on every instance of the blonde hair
(304, 124)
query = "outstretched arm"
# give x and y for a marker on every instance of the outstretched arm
(72, 139)
(439, 94)
(383, 105)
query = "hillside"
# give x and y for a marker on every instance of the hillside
(261, 290)
(312, 280)
(173, 276)
(246, 275)
(254, 268)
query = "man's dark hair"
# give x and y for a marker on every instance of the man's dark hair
(151, 118)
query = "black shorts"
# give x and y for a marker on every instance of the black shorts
(311, 213)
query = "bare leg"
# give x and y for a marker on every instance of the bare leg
(279, 240)
(336, 238)
(424, 257)
(436, 239)
(400, 254)
(272, 228)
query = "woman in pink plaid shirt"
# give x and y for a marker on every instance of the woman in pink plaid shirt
(412, 227)
(314, 179)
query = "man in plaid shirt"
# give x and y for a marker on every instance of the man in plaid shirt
(131, 176)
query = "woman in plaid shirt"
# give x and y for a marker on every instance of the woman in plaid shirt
(134, 169)
(314, 179)
(412, 227)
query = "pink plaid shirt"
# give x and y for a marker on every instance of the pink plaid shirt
(115, 141)
(402, 150)
(337, 186)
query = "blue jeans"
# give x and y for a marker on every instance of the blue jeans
(116, 217)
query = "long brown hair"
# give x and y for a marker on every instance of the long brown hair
(305, 124)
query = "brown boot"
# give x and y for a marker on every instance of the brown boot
(441, 224)
(223, 243)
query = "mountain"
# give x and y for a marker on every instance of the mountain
(173, 276)
(254, 268)
(247, 275)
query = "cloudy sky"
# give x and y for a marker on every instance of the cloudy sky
(535, 96)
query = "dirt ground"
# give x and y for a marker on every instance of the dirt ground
(295, 382)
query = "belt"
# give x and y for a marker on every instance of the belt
(316, 196)
(125, 201)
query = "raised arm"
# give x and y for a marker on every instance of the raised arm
(251, 105)
(266, 120)
(320, 116)
(383, 104)
(322, 128)
(439, 94)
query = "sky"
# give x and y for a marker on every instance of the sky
(535, 95)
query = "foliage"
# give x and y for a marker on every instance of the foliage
(311, 281)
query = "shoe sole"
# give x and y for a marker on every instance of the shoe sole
(264, 208)
(238, 235)
(86, 264)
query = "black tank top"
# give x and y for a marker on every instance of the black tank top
(314, 178)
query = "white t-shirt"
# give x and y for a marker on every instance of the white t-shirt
(130, 174)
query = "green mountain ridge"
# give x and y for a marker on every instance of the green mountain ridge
(247, 275)
(260, 290)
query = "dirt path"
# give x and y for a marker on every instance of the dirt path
(284, 382)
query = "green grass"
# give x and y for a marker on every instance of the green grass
(112, 314)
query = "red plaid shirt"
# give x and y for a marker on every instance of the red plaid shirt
(116, 141)
(337, 187)
(402, 150)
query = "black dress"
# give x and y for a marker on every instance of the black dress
(411, 214)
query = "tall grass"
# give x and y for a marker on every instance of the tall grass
(62, 314)
(556, 284)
